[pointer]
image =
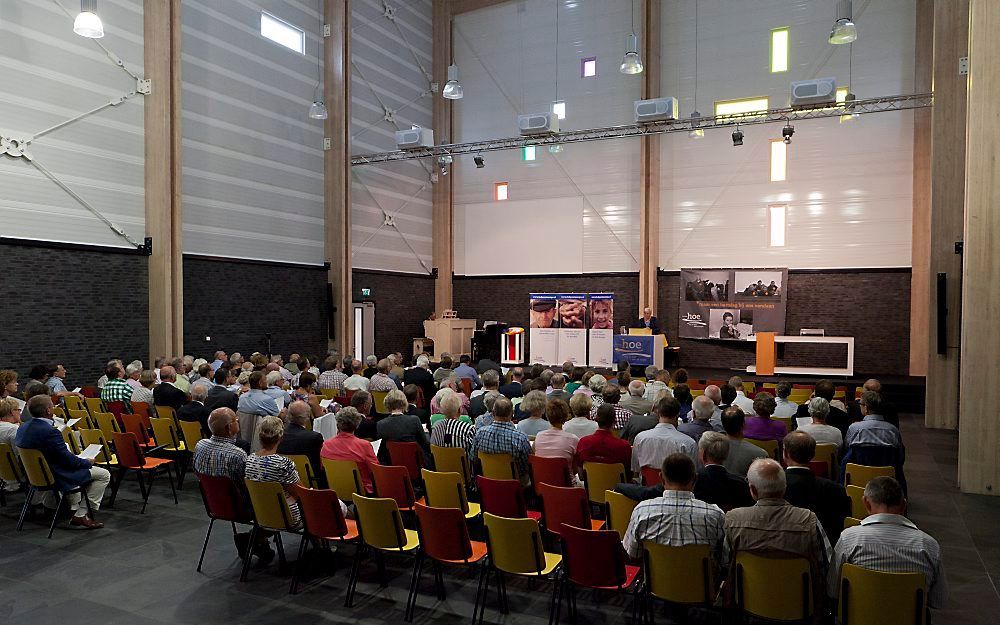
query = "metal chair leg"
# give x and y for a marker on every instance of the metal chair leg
(411, 598)
(146, 490)
(486, 593)
(383, 578)
(205, 546)
(25, 508)
(352, 584)
(250, 545)
(55, 515)
(116, 482)
(439, 581)
(294, 587)
(170, 478)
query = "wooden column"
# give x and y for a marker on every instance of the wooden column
(649, 191)
(979, 429)
(337, 170)
(920, 282)
(162, 127)
(443, 235)
(951, 41)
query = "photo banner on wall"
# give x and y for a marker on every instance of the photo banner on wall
(543, 332)
(731, 304)
(572, 321)
(601, 322)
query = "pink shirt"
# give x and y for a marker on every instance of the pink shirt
(347, 446)
(436, 407)
(555, 443)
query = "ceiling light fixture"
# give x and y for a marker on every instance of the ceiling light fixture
(737, 137)
(479, 160)
(844, 30)
(317, 110)
(631, 63)
(695, 133)
(787, 132)
(87, 23)
(452, 89)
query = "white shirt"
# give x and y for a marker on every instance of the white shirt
(744, 402)
(581, 426)
(823, 433)
(356, 382)
(653, 388)
(653, 446)
(784, 408)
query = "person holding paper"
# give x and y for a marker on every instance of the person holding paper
(69, 471)
(10, 419)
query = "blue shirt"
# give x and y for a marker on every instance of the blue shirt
(279, 396)
(873, 430)
(216, 364)
(258, 402)
(501, 437)
(465, 371)
(55, 385)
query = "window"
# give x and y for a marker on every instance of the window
(776, 224)
(500, 191)
(842, 95)
(588, 67)
(281, 32)
(741, 107)
(779, 50)
(779, 164)
(528, 153)
(559, 109)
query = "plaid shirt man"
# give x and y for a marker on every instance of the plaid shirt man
(220, 457)
(116, 390)
(381, 382)
(332, 379)
(677, 519)
(502, 437)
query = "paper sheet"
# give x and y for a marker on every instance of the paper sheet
(376, 444)
(325, 403)
(91, 452)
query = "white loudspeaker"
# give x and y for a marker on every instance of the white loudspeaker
(415, 139)
(810, 93)
(656, 110)
(538, 124)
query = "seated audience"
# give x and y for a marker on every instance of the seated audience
(165, 393)
(267, 465)
(677, 517)
(332, 377)
(783, 407)
(826, 498)
(714, 393)
(101, 381)
(116, 388)
(573, 375)
(57, 384)
(683, 396)
(477, 403)
(514, 388)
(702, 408)
(220, 359)
(144, 392)
(255, 401)
(680, 376)
(888, 541)
(597, 384)
(371, 366)
(180, 379)
(8, 384)
(584, 387)
(411, 391)
(487, 417)
(358, 381)
(652, 446)
(761, 426)
(555, 442)
(741, 400)
(533, 406)
(10, 418)
(502, 437)
(380, 381)
(837, 417)
(772, 524)
(367, 429)
(346, 446)
(581, 424)
(715, 483)
(401, 427)
(300, 441)
(452, 431)
(465, 370)
(603, 446)
(68, 470)
(889, 412)
(195, 410)
(873, 429)
(444, 368)
(219, 396)
(452, 384)
(273, 382)
(634, 401)
(656, 381)
(741, 453)
(558, 388)
(612, 395)
(221, 455)
(396, 370)
(819, 408)
(34, 389)
(421, 375)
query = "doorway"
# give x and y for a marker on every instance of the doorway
(364, 329)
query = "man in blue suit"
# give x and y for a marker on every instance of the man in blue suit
(68, 470)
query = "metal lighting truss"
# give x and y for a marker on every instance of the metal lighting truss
(776, 115)
(20, 146)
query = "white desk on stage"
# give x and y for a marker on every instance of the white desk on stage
(766, 355)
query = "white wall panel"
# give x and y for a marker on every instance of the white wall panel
(391, 62)
(49, 75)
(252, 158)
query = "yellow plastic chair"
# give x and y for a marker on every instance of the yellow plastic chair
(72, 402)
(618, 511)
(328, 393)
(191, 430)
(851, 522)
(107, 423)
(773, 587)
(40, 478)
(515, 547)
(857, 495)
(74, 444)
(379, 398)
(786, 420)
(166, 412)
(600, 477)
(860, 475)
(94, 405)
(57, 411)
(85, 421)
(452, 460)
(381, 528)
(446, 490)
(678, 575)
(11, 471)
(499, 466)
(827, 452)
(271, 513)
(748, 389)
(95, 437)
(344, 477)
(771, 446)
(307, 473)
(165, 435)
(865, 594)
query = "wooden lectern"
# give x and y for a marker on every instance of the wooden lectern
(766, 355)
(450, 335)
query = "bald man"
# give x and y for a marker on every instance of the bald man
(647, 320)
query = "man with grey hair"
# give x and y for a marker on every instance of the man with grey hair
(888, 541)
(220, 359)
(596, 385)
(421, 376)
(714, 393)
(715, 483)
(166, 392)
(477, 403)
(300, 441)
(659, 381)
(274, 382)
(451, 382)
(501, 437)
(489, 400)
(633, 400)
(702, 408)
(357, 381)
(744, 402)
(371, 366)
(132, 372)
(332, 377)
(195, 410)
(558, 391)
(819, 408)
(774, 525)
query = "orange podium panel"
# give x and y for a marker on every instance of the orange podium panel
(766, 354)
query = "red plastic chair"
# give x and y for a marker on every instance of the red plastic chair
(466, 386)
(394, 483)
(444, 537)
(565, 506)
(223, 502)
(409, 455)
(142, 409)
(820, 468)
(116, 408)
(134, 424)
(594, 559)
(322, 519)
(90, 391)
(504, 498)
(130, 458)
(420, 401)
(651, 476)
(554, 471)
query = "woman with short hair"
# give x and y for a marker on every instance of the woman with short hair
(401, 427)
(266, 465)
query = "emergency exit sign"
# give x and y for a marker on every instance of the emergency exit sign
(366, 292)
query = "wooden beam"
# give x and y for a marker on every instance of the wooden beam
(162, 128)
(337, 170)
(951, 41)
(443, 235)
(920, 281)
(979, 429)
(649, 163)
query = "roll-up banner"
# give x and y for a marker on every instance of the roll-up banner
(572, 315)
(601, 322)
(543, 333)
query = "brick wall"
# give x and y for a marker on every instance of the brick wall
(237, 302)
(402, 302)
(75, 306)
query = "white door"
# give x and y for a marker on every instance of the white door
(364, 329)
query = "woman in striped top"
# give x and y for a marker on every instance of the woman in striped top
(268, 466)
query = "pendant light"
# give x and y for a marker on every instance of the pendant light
(631, 63)
(844, 29)
(317, 110)
(88, 23)
(696, 133)
(452, 89)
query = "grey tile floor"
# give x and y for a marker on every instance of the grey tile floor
(141, 569)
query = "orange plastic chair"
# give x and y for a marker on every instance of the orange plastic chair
(565, 506)
(322, 519)
(394, 483)
(651, 476)
(554, 471)
(409, 455)
(133, 424)
(130, 458)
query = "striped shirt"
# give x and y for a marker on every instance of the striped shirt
(890, 543)
(873, 430)
(677, 519)
(219, 457)
(332, 379)
(275, 468)
(453, 433)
